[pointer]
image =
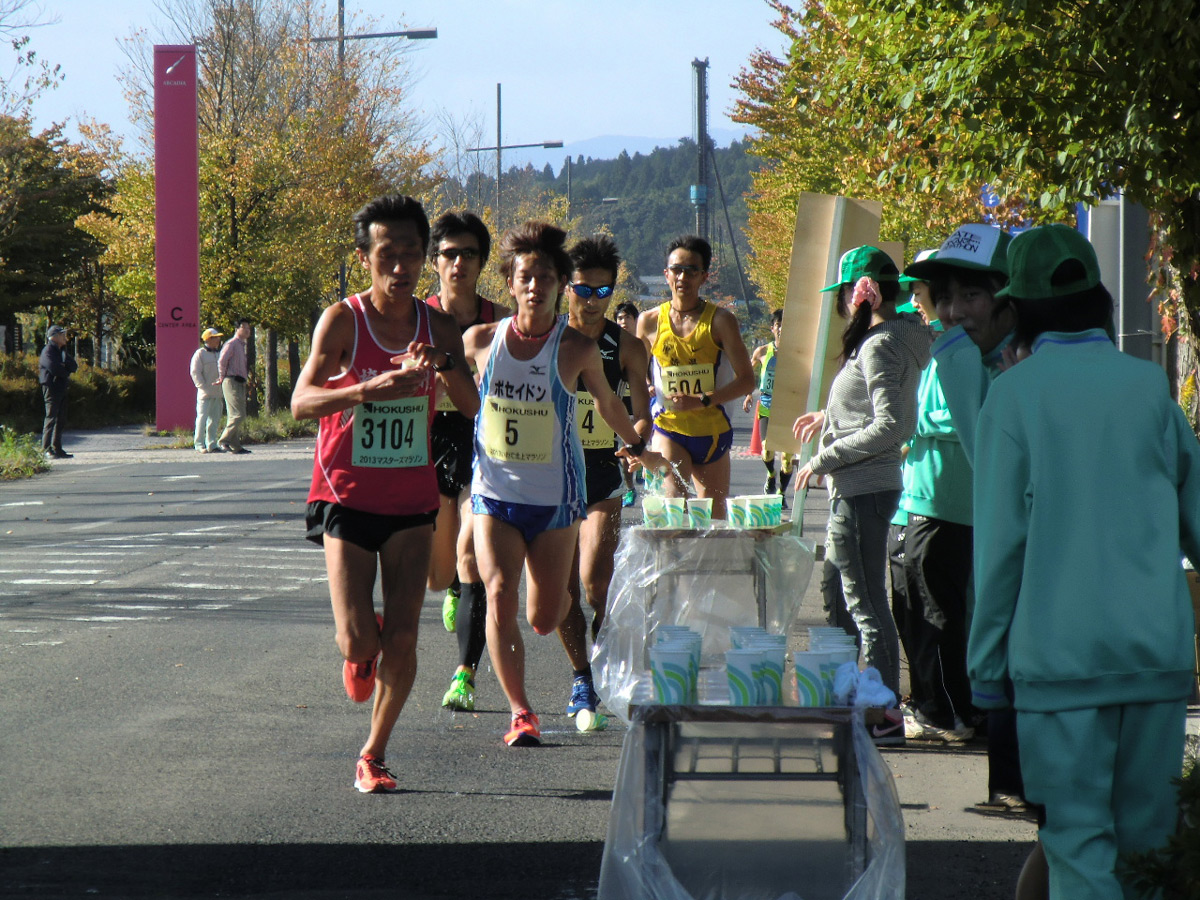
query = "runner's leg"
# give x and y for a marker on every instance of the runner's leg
(404, 560)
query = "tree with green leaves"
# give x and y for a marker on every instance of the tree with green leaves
(293, 139)
(1049, 103)
(46, 184)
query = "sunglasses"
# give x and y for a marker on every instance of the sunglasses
(678, 269)
(456, 252)
(583, 291)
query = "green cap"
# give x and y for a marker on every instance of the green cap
(1035, 256)
(983, 248)
(865, 260)
(907, 280)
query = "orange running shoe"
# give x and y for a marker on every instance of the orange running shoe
(359, 678)
(372, 777)
(524, 731)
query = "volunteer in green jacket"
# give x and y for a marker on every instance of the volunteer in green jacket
(1087, 488)
(963, 280)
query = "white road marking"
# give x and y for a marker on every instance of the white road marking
(54, 581)
(25, 503)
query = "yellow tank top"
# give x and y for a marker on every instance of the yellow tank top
(686, 365)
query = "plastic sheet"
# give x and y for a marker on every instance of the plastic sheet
(727, 822)
(707, 580)
(759, 845)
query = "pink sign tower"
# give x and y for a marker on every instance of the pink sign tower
(176, 233)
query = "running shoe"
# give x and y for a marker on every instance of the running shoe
(583, 696)
(769, 487)
(524, 731)
(359, 678)
(461, 695)
(918, 728)
(450, 610)
(890, 732)
(629, 498)
(372, 777)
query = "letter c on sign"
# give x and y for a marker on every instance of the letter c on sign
(176, 313)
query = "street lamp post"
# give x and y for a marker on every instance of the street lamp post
(416, 34)
(548, 145)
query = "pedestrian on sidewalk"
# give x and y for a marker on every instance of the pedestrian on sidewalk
(232, 374)
(205, 376)
(55, 367)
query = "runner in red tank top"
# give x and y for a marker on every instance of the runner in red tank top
(370, 380)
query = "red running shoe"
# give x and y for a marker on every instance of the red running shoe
(372, 777)
(359, 678)
(524, 731)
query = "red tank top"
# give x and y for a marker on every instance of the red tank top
(376, 457)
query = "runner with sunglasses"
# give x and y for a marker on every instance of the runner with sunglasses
(459, 247)
(594, 275)
(698, 362)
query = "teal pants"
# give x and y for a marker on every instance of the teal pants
(1104, 775)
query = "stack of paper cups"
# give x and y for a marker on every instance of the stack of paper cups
(671, 668)
(811, 687)
(740, 668)
(769, 672)
(740, 635)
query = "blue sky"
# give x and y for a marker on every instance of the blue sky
(571, 70)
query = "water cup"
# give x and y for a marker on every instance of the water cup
(769, 673)
(775, 509)
(735, 512)
(671, 668)
(676, 512)
(739, 670)
(700, 513)
(654, 514)
(810, 683)
(756, 511)
(740, 635)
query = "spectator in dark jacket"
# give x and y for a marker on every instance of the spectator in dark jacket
(54, 370)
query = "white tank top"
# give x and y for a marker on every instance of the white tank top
(527, 447)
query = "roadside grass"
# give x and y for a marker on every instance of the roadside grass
(20, 455)
(264, 429)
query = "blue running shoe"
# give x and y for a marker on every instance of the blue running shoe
(583, 696)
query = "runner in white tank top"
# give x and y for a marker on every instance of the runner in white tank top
(528, 494)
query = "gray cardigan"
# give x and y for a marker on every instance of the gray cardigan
(872, 409)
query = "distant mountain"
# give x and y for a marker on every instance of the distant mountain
(609, 146)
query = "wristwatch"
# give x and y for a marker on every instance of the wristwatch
(706, 400)
(450, 363)
(637, 449)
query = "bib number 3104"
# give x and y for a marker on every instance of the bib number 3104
(392, 435)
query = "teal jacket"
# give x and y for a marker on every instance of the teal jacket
(965, 376)
(1087, 487)
(937, 473)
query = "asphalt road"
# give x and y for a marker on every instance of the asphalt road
(172, 721)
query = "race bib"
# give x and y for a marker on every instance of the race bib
(517, 431)
(444, 403)
(695, 379)
(392, 435)
(594, 432)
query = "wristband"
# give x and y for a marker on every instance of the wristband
(637, 449)
(450, 363)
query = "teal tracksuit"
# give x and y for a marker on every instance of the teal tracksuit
(937, 473)
(1087, 487)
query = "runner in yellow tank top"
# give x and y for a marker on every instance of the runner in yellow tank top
(688, 340)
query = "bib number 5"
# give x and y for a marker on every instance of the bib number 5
(517, 431)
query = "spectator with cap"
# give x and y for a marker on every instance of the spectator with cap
(1087, 489)
(55, 367)
(208, 391)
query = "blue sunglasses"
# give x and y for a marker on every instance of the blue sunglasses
(583, 291)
